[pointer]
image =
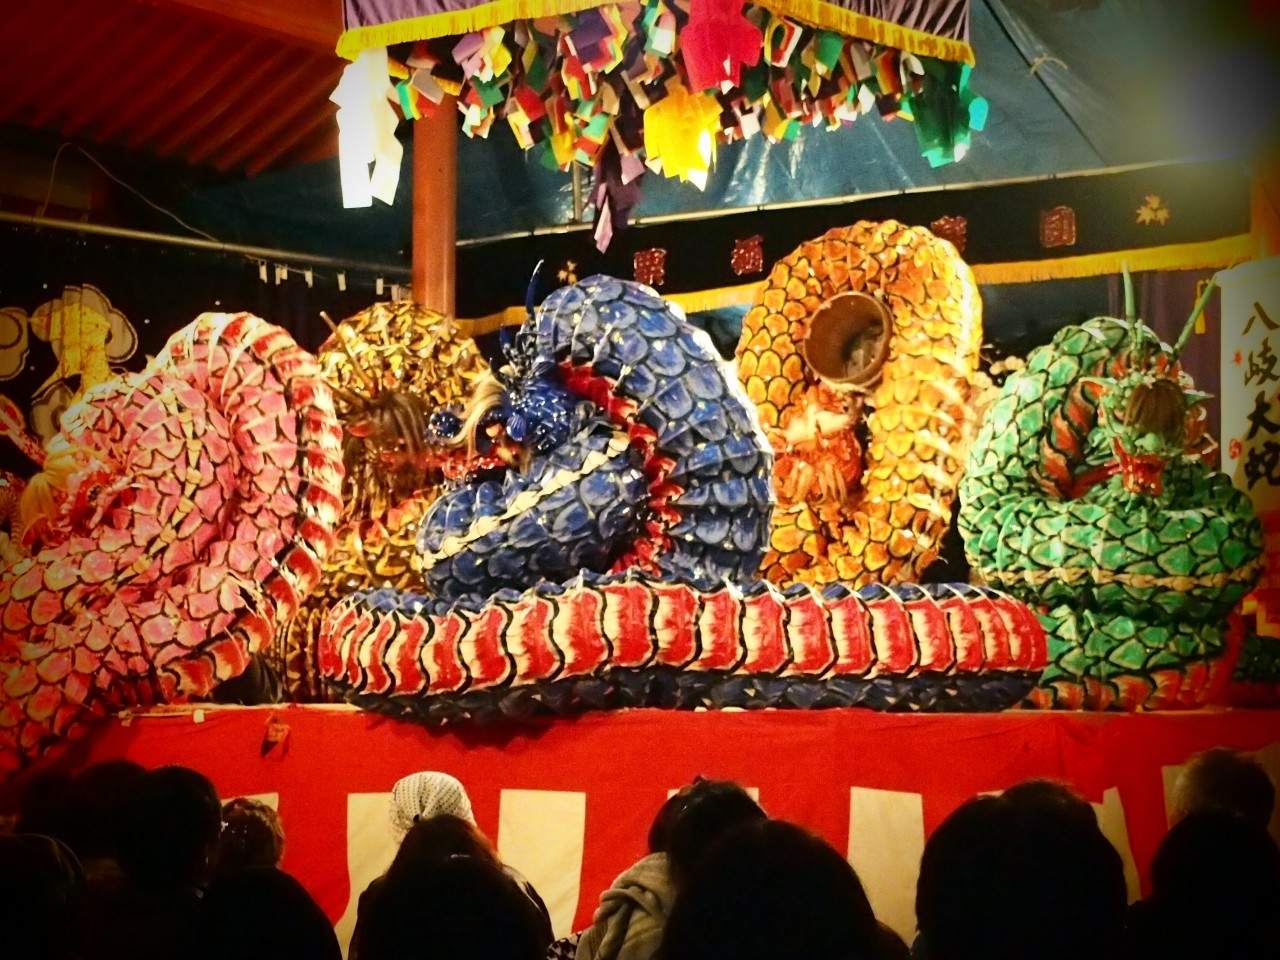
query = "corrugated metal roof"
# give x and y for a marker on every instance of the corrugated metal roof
(169, 79)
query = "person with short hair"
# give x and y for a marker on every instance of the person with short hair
(1225, 780)
(771, 890)
(169, 852)
(1023, 874)
(40, 886)
(262, 913)
(1223, 873)
(43, 807)
(252, 835)
(1055, 798)
(629, 921)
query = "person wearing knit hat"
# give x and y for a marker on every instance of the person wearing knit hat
(421, 796)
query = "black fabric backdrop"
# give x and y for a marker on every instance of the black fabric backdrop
(160, 290)
(1206, 200)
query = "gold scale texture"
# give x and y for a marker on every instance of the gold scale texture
(403, 347)
(888, 525)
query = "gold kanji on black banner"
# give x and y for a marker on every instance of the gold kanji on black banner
(748, 255)
(651, 266)
(1058, 227)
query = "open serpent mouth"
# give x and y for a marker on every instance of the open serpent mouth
(821, 445)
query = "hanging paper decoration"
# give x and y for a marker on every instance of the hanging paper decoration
(782, 36)
(658, 84)
(1058, 227)
(717, 43)
(1153, 211)
(936, 95)
(680, 134)
(748, 255)
(616, 192)
(651, 266)
(367, 130)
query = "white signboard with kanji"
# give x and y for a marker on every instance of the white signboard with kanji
(1250, 393)
(1251, 379)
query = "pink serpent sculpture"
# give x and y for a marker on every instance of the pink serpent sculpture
(200, 499)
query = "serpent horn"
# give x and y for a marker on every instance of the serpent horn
(1190, 325)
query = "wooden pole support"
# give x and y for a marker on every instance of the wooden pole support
(435, 208)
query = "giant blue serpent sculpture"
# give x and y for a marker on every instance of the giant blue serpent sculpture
(616, 565)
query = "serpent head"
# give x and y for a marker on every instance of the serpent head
(1151, 416)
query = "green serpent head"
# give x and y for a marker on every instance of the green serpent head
(1152, 416)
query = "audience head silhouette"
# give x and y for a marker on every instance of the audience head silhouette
(768, 889)
(462, 906)
(171, 831)
(98, 804)
(1022, 874)
(252, 835)
(1227, 781)
(260, 913)
(438, 839)
(1225, 872)
(709, 808)
(44, 808)
(40, 885)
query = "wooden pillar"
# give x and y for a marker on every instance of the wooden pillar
(1266, 203)
(435, 208)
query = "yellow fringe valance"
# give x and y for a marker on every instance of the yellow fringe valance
(454, 23)
(1175, 256)
(818, 13)
(1201, 255)
(829, 16)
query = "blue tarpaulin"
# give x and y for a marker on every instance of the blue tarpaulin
(1114, 82)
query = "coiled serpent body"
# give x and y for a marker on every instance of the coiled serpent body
(389, 367)
(848, 511)
(618, 564)
(1133, 549)
(192, 506)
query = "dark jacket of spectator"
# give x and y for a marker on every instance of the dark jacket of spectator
(261, 913)
(461, 907)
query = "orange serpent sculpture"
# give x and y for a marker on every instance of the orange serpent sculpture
(861, 355)
(181, 516)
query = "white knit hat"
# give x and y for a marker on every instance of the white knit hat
(430, 793)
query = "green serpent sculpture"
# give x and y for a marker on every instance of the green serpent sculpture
(1086, 495)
